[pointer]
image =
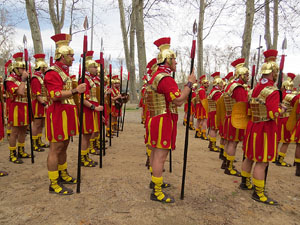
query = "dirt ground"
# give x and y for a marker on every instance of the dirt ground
(119, 192)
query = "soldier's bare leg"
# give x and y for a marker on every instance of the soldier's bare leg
(37, 126)
(57, 168)
(246, 183)
(231, 149)
(158, 158)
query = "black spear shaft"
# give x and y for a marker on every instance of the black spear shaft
(110, 106)
(186, 144)
(80, 126)
(258, 58)
(29, 105)
(102, 141)
(124, 110)
(120, 110)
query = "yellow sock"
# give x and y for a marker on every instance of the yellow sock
(63, 166)
(245, 174)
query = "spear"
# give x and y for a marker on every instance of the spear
(253, 72)
(186, 144)
(102, 132)
(124, 110)
(258, 55)
(85, 25)
(28, 97)
(110, 104)
(119, 112)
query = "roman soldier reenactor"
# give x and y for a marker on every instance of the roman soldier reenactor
(62, 115)
(260, 141)
(162, 91)
(289, 97)
(91, 111)
(235, 93)
(152, 68)
(201, 108)
(18, 117)
(39, 102)
(212, 98)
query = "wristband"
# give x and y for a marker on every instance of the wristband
(92, 107)
(189, 84)
(74, 91)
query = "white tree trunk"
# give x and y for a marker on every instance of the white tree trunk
(34, 26)
(140, 38)
(247, 35)
(57, 17)
(200, 39)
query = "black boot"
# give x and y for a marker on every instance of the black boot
(297, 169)
(246, 183)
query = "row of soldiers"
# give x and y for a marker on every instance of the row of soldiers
(260, 119)
(55, 105)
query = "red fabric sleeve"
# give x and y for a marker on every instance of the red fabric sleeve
(216, 96)
(11, 87)
(240, 94)
(54, 84)
(36, 86)
(272, 102)
(169, 88)
(202, 94)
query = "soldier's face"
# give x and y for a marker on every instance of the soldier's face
(93, 70)
(173, 65)
(68, 59)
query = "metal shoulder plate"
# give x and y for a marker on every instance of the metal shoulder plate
(158, 78)
(61, 73)
(211, 95)
(265, 93)
(232, 87)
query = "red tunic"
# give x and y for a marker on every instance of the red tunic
(61, 118)
(91, 118)
(285, 136)
(114, 111)
(162, 129)
(212, 117)
(38, 109)
(192, 104)
(17, 107)
(260, 142)
(296, 130)
(200, 110)
(239, 95)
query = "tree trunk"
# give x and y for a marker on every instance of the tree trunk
(124, 33)
(57, 19)
(248, 31)
(34, 26)
(140, 38)
(200, 39)
(275, 25)
(267, 25)
(132, 82)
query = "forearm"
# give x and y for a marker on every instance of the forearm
(40, 99)
(87, 104)
(184, 95)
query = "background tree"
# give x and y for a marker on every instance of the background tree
(57, 14)
(34, 26)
